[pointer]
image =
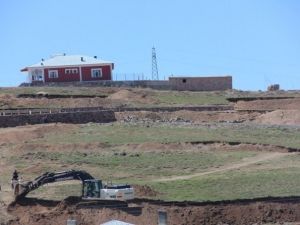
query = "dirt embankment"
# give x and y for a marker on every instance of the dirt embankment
(116, 98)
(138, 96)
(272, 104)
(280, 117)
(279, 111)
(10, 101)
(238, 212)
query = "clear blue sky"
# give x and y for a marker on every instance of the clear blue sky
(255, 41)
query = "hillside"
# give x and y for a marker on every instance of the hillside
(250, 152)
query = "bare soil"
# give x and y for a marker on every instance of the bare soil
(134, 96)
(144, 191)
(273, 104)
(10, 101)
(116, 98)
(280, 117)
(240, 212)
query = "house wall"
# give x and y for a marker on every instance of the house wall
(62, 76)
(85, 73)
(201, 83)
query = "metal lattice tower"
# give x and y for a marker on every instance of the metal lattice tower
(154, 66)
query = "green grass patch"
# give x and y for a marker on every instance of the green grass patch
(141, 166)
(233, 185)
(115, 134)
(190, 98)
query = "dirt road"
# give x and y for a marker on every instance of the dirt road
(246, 162)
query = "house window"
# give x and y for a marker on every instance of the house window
(53, 74)
(71, 71)
(96, 73)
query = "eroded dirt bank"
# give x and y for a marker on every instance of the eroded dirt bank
(142, 211)
(272, 104)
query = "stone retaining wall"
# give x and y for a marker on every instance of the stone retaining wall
(104, 116)
(19, 117)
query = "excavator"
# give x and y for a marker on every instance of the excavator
(92, 189)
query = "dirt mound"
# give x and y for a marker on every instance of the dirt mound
(10, 101)
(7, 101)
(273, 104)
(139, 96)
(142, 191)
(280, 117)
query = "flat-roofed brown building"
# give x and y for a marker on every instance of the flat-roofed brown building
(220, 83)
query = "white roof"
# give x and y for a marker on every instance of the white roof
(116, 222)
(69, 60)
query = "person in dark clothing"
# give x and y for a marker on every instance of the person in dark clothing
(15, 175)
(14, 179)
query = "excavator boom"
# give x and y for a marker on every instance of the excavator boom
(50, 178)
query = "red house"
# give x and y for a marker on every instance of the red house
(67, 68)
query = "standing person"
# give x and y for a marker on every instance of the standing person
(15, 182)
(15, 175)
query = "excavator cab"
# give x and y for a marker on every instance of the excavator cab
(91, 189)
(95, 190)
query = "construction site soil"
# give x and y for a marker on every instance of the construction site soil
(113, 98)
(143, 211)
(270, 104)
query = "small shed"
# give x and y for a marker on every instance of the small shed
(182, 83)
